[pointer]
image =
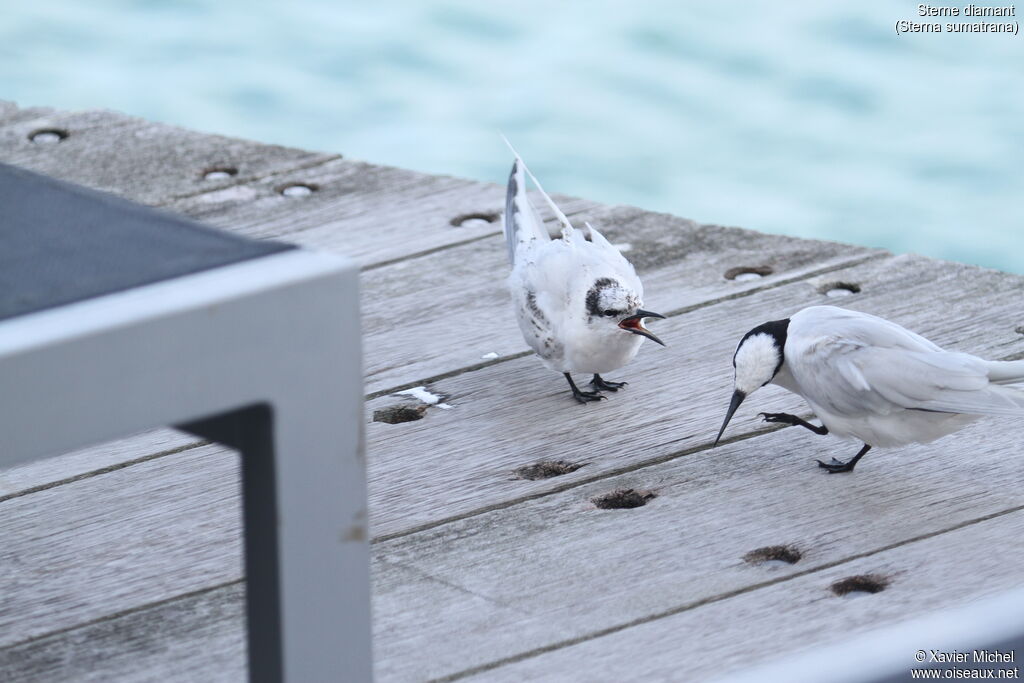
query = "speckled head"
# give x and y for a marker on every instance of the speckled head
(610, 303)
(758, 358)
(607, 297)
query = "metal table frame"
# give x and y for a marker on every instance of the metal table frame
(261, 355)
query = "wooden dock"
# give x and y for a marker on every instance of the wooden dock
(123, 561)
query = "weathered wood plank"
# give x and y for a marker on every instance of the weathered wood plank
(200, 637)
(501, 567)
(733, 634)
(683, 262)
(559, 529)
(148, 162)
(460, 460)
(103, 544)
(371, 214)
(556, 569)
(367, 211)
(39, 474)
(207, 630)
(456, 305)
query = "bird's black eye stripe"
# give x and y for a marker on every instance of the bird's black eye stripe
(610, 313)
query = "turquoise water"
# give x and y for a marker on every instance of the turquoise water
(803, 117)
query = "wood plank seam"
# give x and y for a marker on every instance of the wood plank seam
(852, 263)
(225, 585)
(576, 483)
(477, 366)
(256, 180)
(407, 184)
(103, 470)
(554, 646)
(126, 612)
(781, 282)
(444, 582)
(584, 481)
(250, 180)
(717, 598)
(442, 247)
(634, 467)
(428, 252)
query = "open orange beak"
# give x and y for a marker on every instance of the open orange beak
(635, 324)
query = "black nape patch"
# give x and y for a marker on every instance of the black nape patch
(593, 307)
(778, 329)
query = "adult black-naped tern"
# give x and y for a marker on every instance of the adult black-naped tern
(870, 379)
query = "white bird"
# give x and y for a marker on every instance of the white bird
(578, 302)
(869, 379)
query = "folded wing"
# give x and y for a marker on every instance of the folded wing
(854, 378)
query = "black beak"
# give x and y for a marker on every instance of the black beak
(737, 399)
(635, 324)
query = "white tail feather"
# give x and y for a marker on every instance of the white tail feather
(1006, 372)
(562, 218)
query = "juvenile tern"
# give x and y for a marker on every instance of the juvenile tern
(578, 302)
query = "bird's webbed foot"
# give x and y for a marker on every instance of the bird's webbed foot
(836, 466)
(588, 396)
(786, 418)
(783, 418)
(599, 383)
(582, 396)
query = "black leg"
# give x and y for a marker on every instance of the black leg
(599, 383)
(582, 396)
(837, 466)
(251, 431)
(786, 418)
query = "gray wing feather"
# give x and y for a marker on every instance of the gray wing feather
(857, 379)
(1006, 372)
(856, 364)
(521, 221)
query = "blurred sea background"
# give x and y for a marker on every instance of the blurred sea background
(804, 117)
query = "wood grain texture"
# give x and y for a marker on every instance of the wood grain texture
(729, 635)
(101, 458)
(371, 214)
(103, 544)
(542, 557)
(683, 262)
(148, 162)
(456, 305)
(556, 569)
(200, 637)
(455, 461)
(117, 564)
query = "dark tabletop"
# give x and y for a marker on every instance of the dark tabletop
(61, 243)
